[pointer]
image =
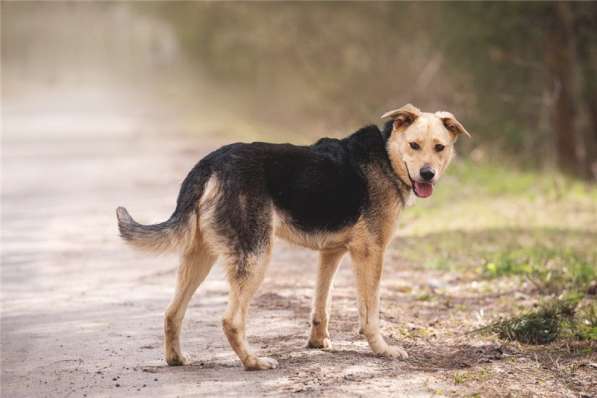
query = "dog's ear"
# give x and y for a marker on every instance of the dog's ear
(453, 125)
(404, 116)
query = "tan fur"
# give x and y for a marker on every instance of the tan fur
(194, 266)
(329, 261)
(427, 130)
(315, 241)
(365, 241)
(241, 293)
(206, 215)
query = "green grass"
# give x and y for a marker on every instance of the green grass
(552, 270)
(488, 222)
(492, 179)
(479, 197)
(502, 220)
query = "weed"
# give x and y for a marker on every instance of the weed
(584, 324)
(459, 378)
(551, 320)
(424, 297)
(509, 263)
(464, 377)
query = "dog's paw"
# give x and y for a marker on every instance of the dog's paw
(324, 344)
(393, 351)
(263, 363)
(177, 359)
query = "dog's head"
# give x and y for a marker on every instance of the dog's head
(421, 145)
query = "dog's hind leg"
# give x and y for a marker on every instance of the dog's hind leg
(245, 274)
(328, 265)
(194, 266)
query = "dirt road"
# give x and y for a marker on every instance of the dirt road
(82, 313)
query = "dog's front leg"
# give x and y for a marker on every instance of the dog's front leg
(367, 263)
(320, 314)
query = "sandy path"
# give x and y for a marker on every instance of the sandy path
(82, 313)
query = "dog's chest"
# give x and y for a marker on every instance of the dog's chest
(409, 199)
(384, 210)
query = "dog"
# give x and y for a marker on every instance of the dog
(336, 196)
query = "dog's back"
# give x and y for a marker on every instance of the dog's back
(317, 188)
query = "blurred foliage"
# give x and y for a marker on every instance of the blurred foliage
(329, 67)
(501, 45)
(347, 62)
(521, 76)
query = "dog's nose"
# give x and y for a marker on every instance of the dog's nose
(427, 173)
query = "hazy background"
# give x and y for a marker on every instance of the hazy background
(520, 76)
(111, 103)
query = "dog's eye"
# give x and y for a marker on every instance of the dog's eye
(414, 146)
(439, 147)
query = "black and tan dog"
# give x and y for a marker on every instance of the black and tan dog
(335, 196)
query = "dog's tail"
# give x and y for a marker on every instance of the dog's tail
(168, 235)
(179, 230)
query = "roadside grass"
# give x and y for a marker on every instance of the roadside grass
(496, 274)
(479, 197)
(538, 230)
(550, 269)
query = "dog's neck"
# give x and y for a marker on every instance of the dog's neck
(399, 168)
(396, 163)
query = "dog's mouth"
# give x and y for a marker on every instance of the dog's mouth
(422, 189)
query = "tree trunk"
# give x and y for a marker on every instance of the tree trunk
(560, 60)
(590, 136)
(587, 60)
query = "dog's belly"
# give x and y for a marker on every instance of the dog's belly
(311, 240)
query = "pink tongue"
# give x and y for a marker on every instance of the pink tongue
(423, 189)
